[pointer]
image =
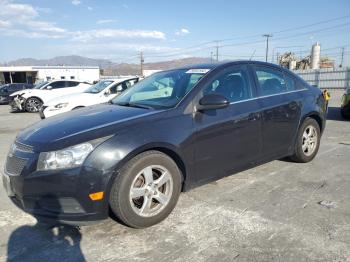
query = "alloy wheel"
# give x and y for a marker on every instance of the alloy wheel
(309, 140)
(151, 191)
(33, 105)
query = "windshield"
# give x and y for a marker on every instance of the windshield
(161, 90)
(97, 88)
(40, 85)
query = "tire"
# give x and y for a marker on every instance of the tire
(307, 142)
(33, 104)
(140, 176)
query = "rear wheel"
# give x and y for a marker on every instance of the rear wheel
(33, 104)
(146, 190)
(308, 141)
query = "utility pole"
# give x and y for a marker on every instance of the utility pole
(267, 45)
(217, 51)
(141, 63)
(342, 57)
(211, 56)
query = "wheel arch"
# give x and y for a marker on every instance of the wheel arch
(316, 116)
(35, 97)
(165, 148)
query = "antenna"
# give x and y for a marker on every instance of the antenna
(252, 54)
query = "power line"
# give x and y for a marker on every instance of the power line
(203, 46)
(251, 36)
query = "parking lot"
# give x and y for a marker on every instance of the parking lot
(280, 211)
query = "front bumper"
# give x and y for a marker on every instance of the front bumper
(17, 103)
(58, 195)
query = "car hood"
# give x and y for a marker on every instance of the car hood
(78, 98)
(24, 91)
(79, 126)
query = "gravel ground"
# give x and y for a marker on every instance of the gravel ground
(280, 211)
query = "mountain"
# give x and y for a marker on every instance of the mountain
(108, 67)
(133, 69)
(72, 60)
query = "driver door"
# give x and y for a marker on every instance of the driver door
(228, 139)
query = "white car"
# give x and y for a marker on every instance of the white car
(101, 92)
(31, 100)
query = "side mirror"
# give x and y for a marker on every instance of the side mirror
(49, 87)
(212, 101)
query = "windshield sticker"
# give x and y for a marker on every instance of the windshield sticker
(197, 71)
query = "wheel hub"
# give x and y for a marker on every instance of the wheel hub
(151, 191)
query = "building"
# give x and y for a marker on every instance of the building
(35, 74)
(148, 72)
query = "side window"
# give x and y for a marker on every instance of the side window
(71, 83)
(232, 83)
(116, 89)
(13, 87)
(291, 83)
(58, 84)
(271, 81)
(129, 83)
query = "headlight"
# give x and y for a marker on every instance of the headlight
(61, 105)
(69, 157)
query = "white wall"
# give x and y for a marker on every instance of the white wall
(88, 74)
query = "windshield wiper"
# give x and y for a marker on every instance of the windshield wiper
(133, 105)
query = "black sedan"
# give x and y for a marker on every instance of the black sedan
(7, 89)
(173, 131)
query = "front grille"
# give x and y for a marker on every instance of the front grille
(23, 147)
(15, 165)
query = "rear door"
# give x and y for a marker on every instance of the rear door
(228, 139)
(280, 101)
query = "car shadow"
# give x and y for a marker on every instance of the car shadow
(45, 241)
(334, 114)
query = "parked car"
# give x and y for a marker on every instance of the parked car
(7, 89)
(135, 155)
(99, 93)
(345, 104)
(31, 100)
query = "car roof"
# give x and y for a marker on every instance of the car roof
(67, 80)
(212, 66)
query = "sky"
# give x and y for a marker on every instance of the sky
(119, 30)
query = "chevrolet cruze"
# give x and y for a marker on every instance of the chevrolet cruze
(175, 130)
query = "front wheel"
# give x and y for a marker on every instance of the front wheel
(146, 190)
(308, 141)
(33, 104)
